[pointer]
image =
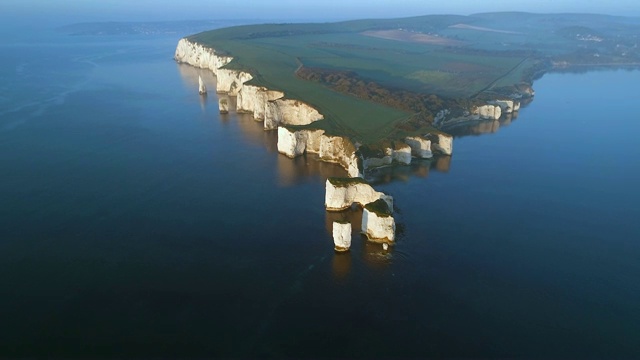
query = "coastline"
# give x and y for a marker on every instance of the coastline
(277, 111)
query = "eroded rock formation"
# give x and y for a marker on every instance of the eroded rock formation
(486, 112)
(397, 151)
(420, 147)
(289, 112)
(507, 106)
(341, 193)
(231, 81)
(443, 143)
(254, 99)
(199, 56)
(377, 222)
(265, 104)
(341, 236)
(334, 149)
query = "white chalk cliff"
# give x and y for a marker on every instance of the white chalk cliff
(199, 56)
(444, 143)
(231, 81)
(420, 147)
(488, 112)
(289, 112)
(342, 193)
(507, 106)
(271, 107)
(335, 149)
(265, 104)
(296, 142)
(254, 99)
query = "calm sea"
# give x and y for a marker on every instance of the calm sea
(135, 220)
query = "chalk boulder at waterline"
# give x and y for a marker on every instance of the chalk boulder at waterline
(377, 222)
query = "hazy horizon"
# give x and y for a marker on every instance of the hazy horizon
(47, 13)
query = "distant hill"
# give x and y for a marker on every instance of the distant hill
(145, 28)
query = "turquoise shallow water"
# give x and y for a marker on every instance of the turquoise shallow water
(136, 220)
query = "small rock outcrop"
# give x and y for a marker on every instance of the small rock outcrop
(377, 222)
(396, 151)
(487, 112)
(223, 105)
(341, 193)
(507, 106)
(202, 88)
(401, 153)
(420, 147)
(443, 143)
(341, 236)
(375, 162)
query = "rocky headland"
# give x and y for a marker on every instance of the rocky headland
(294, 121)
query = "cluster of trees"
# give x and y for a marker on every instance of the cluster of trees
(423, 106)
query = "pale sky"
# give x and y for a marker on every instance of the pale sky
(64, 11)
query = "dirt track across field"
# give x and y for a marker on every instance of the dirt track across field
(408, 36)
(479, 28)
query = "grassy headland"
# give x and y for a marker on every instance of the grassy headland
(376, 79)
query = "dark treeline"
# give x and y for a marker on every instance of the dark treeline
(423, 106)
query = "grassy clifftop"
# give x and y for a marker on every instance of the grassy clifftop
(369, 76)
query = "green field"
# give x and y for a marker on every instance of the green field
(456, 58)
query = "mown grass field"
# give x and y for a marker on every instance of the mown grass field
(458, 57)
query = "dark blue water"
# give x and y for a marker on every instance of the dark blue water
(137, 221)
